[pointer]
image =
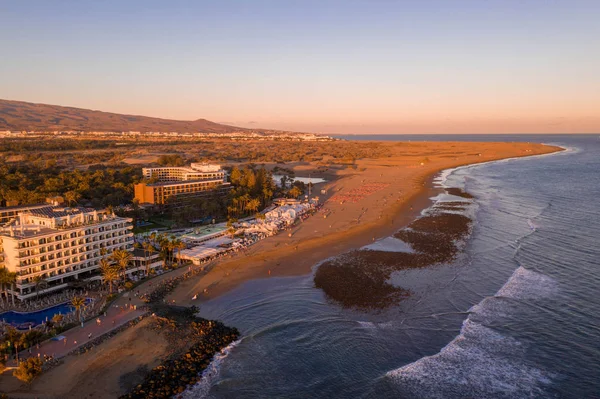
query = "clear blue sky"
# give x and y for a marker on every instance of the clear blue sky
(378, 66)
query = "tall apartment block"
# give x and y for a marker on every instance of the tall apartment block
(176, 184)
(60, 245)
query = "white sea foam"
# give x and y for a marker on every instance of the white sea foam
(480, 362)
(441, 198)
(366, 324)
(389, 244)
(209, 375)
(369, 325)
(442, 177)
(527, 284)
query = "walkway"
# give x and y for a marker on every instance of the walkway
(121, 312)
(115, 317)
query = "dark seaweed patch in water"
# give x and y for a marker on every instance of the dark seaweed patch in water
(458, 192)
(359, 279)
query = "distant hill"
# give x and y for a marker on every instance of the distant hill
(19, 115)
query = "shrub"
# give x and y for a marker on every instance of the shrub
(29, 369)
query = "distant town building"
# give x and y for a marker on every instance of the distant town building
(59, 245)
(176, 184)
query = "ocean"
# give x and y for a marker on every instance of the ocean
(516, 315)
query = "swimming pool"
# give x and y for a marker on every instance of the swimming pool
(35, 318)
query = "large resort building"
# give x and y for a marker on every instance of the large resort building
(59, 245)
(177, 184)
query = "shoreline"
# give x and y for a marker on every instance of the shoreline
(267, 259)
(408, 185)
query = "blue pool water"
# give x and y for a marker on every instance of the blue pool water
(16, 318)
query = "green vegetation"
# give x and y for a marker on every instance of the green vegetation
(89, 171)
(171, 160)
(29, 369)
(13, 341)
(78, 302)
(33, 182)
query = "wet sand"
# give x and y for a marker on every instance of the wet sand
(360, 278)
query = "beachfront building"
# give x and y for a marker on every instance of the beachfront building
(177, 184)
(60, 246)
(143, 261)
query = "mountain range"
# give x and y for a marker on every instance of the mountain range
(19, 116)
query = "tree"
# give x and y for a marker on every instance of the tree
(39, 281)
(110, 273)
(253, 205)
(29, 369)
(235, 176)
(72, 197)
(122, 258)
(4, 280)
(57, 318)
(16, 339)
(294, 192)
(78, 302)
(179, 245)
(8, 278)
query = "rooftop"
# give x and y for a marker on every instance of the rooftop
(58, 211)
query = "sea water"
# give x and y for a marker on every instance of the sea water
(517, 315)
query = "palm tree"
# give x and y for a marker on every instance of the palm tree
(122, 258)
(38, 280)
(9, 278)
(165, 244)
(110, 273)
(78, 302)
(150, 250)
(57, 319)
(179, 245)
(253, 205)
(3, 281)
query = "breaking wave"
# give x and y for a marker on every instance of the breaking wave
(209, 375)
(480, 361)
(389, 244)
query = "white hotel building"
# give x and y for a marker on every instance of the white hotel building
(196, 171)
(61, 245)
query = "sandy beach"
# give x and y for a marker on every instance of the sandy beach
(368, 201)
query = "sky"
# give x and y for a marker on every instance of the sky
(378, 66)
